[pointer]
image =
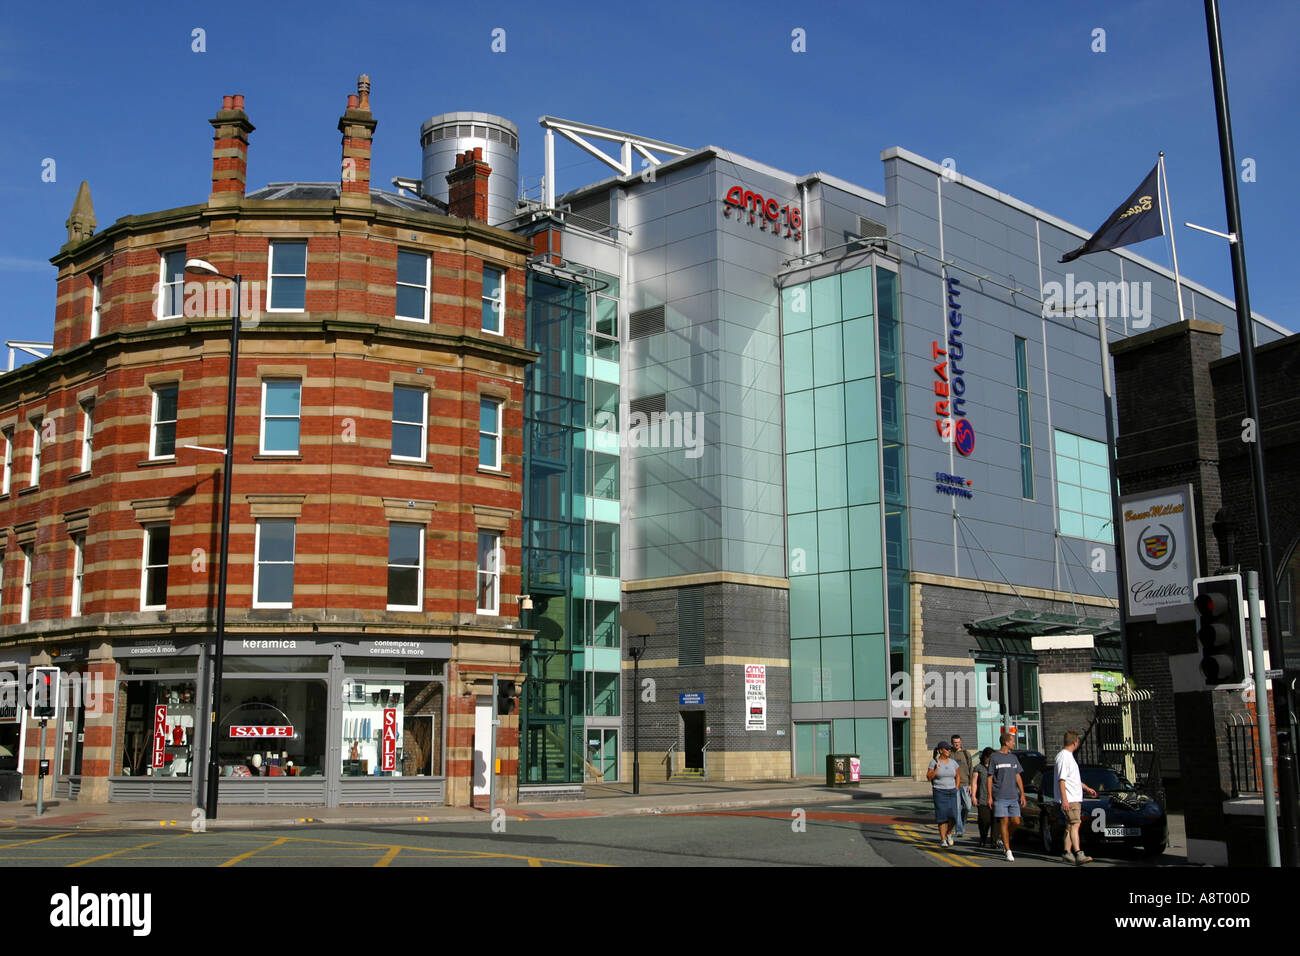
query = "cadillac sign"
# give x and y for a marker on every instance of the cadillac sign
(1160, 554)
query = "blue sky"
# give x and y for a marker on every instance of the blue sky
(1011, 91)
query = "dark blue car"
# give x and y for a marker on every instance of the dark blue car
(1119, 815)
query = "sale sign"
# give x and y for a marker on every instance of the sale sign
(274, 730)
(159, 735)
(388, 753)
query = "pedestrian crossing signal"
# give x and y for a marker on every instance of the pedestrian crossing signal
(44, 701)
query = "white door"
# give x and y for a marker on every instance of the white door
(482, 745)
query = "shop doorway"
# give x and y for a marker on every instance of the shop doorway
(693, 739)
(482, 745)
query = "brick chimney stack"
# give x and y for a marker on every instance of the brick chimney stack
(230, 129)
(358, 128)
(467, 186)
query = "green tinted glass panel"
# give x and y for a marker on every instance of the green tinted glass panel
(834, 590)
(828, 404)
(799, 422)
(805, 617)
(828, 357)
(826, 301)
(860, 410)
(842, 740)
(859, 348)
(832, 540)
(863, 473)
(868, 601)
(805, 670)
(837, 668)
(803, 543)
(870, 682)
(832, 486)
(864, 537)
(855, 288)
(798, 361)
(873, 745)
(801, 481)
(796, 311)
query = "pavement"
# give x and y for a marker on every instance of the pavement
(601, 800)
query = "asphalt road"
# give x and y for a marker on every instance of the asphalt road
(853, 833)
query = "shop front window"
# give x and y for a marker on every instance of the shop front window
(272, 728)
(155, 728)
(392, 727)
(73, 729)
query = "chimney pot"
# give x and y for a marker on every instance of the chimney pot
(352, 101)
(363, 91)
(227, 102)
(478, 153)
(239, 101)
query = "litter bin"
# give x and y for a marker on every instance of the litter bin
(843, 770)
(11, 785)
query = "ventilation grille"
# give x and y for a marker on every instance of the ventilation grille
(645, 322)
(690, 627)
(871, 230)
(647, 405)
(591, 211)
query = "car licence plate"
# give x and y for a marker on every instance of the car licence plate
(1123, 831)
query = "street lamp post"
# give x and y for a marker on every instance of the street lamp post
(642, 624)
(206, 268)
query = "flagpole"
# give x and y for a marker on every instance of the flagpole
(1116, 518)
(1178, 282)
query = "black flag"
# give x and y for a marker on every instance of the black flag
(1137, 218)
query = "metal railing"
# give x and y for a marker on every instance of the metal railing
(668, 761)
(1243, 755)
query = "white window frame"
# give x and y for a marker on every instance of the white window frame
(25, 614)
(145, 567)
(258, 562)
(494, 573)
(87, 435)
(96, 301)
(261, 438)
(154, 422)
(423, 423)
(9, 461)
(428, 275)
(499, 300)
(496, 436)
(34, 478)
(166, 284)
(78, 574)
(271, 273)
(419, 578)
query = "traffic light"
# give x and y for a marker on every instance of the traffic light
(44, 701)
(506, 697)
(1221, 629)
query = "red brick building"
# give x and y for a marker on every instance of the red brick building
(376, 491)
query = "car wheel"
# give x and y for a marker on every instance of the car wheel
(1154, 846)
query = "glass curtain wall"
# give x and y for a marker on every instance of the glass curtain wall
(554, 478)
(847, 535)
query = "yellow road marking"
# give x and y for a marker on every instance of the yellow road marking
(57, 836)
(105, 856)
(472, 854)
(533, 861)
(388, 857)
(244, 856)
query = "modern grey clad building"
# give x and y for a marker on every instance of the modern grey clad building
(861, 452)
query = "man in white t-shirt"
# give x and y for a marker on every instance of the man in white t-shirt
(1069, 790)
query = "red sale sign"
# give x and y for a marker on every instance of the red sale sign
(262, 731)
(159, 735)
(389, 740)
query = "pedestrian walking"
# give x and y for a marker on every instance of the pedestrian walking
(944, 775)
(1069, 790)
(978, 788)
(962, 756)
(1006, 790)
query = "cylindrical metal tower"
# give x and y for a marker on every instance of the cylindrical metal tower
(443, 137)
